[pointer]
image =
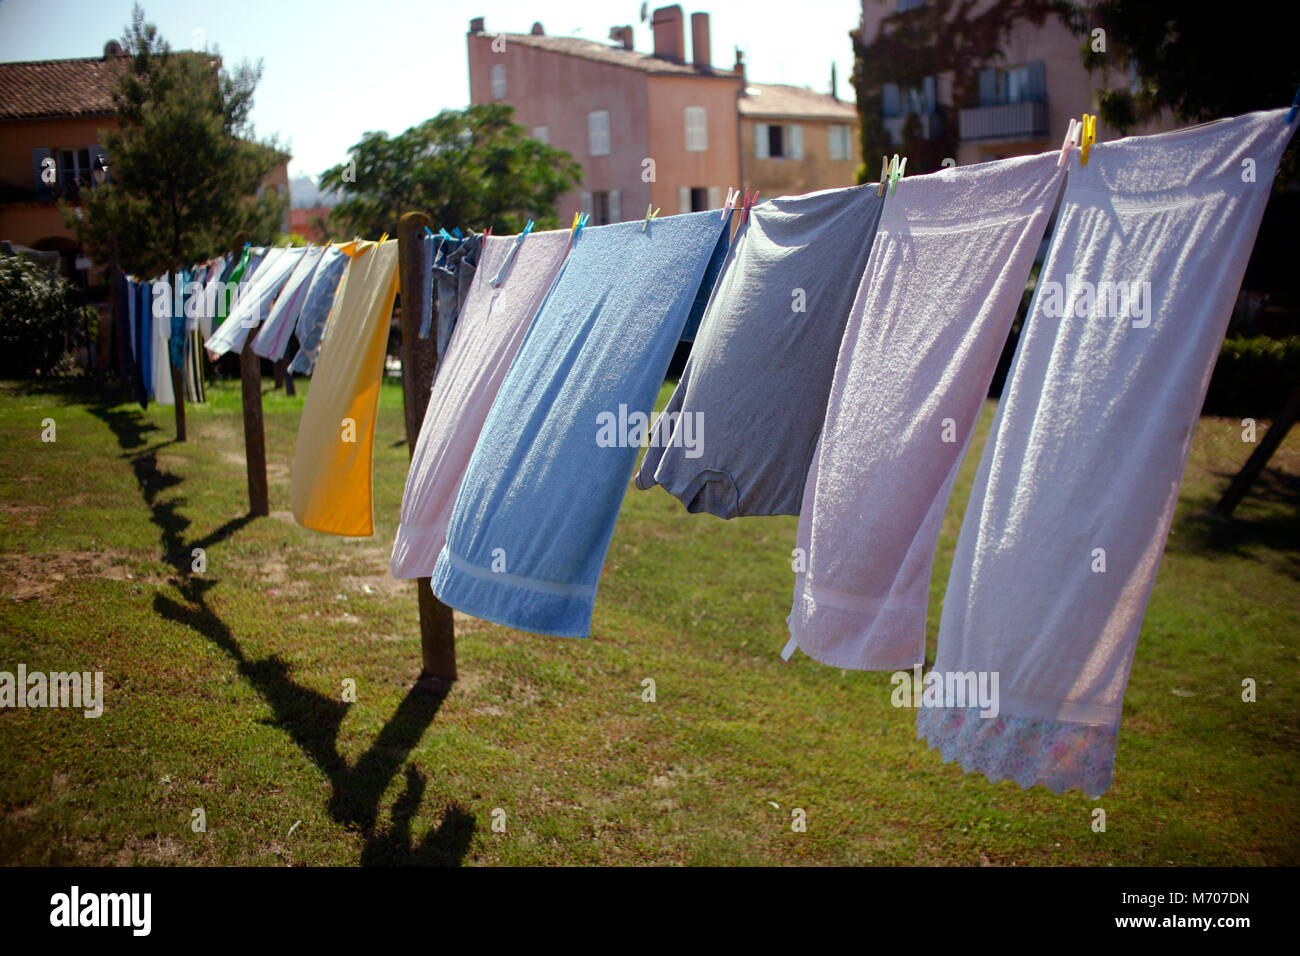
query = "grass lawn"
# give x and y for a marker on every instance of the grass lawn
(224, 689)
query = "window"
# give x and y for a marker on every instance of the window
(699, 199)
(74, 167)
(542, 133)
(598, 133)
(1018, 84)
(697, 129)
(606, 207)
(905, 5)
(499, 82)
(840, 145)
(1013, 85)
(775, 141)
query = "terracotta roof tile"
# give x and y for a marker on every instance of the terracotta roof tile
(40, 88)
(777, 99)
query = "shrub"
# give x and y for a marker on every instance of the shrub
(1254, 377)
(39, 319)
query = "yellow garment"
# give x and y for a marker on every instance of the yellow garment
(330, 483)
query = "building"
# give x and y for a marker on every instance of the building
(1022, 103)
(652, 128)
(794, 140)
(306, 221)
(53, 114)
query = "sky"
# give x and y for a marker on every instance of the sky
(336, 69)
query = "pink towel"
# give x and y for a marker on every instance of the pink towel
(946, 273)
(492, 324)
(1077, 486)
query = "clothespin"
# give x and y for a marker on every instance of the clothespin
(573, 230)
(456, 230)
(1087, 137)
(885, 169)
(1071, 140)
(487, 232)
(650, 213)
(1295, 105)
(428, 231)
(442, 231)
(382, 239)
(727, 206)
(897, 174)
(528, 228)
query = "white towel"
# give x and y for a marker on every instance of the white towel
(946, 273)
(1089, 445)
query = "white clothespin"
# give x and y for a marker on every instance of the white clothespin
(1071, 140)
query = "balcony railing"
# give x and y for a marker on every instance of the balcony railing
(1004, 121)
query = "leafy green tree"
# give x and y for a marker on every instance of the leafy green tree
(1193, 59)
(470, 168)
(183, 169)
(39, 318)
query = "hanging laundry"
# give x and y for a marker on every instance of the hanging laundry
(946, 274)
(428, 255)
(273, 337)
(330, 481)
(453, 274)
(255, 300)
(1076, 489)
(326, 287)
(160, 312)
(761, 368)
(493, 322)
(142, 321)
(532, 522)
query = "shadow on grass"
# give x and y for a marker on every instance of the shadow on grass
(1269, 516)
(311, 719)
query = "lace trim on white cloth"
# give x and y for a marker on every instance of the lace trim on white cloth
(1058, 754)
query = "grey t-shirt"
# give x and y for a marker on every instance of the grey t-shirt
(738, 434)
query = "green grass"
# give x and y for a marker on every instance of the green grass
(223, 690)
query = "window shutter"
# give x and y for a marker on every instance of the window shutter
(889, 100)
(586, 203)
(43, 189)
(499, 81)
(760, 140)
(715, 197)
(684, 199)
(988, 86)
(598, 133)
(697, 129)
(1037, 79)
(615, 206)
(542, 134)
(796, 141)
(928, 94)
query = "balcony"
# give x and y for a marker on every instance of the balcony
(1026, 120)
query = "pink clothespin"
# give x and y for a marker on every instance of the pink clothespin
(749, 204)
(729, 204)
(1071, 140)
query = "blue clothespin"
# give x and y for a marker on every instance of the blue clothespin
(428, 231)
(444, 233)
(1295, 104)
(456, 230)
(528, 228)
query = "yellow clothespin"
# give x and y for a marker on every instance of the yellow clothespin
(383, 239)
(1088, 138)
(574, 227)
(649, 214)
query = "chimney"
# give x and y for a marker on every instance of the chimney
(476, 25)
(700, 53)
(112, 48)
(670, 33)
(622, 36)
(739, 68)
(537, 30)
(835, 91)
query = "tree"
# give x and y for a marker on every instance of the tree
(1198, 62)
(183, 167)
(473, 168)
(39, 318)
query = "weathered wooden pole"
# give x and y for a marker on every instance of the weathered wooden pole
(250, 375)
(1241, 483)
(419, 362)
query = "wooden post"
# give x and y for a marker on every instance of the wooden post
(250, 375)
(419, 362)
(1242, 481)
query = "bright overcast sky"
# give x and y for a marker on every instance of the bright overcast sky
(334, 69)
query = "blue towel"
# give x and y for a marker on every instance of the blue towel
(536, 510)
